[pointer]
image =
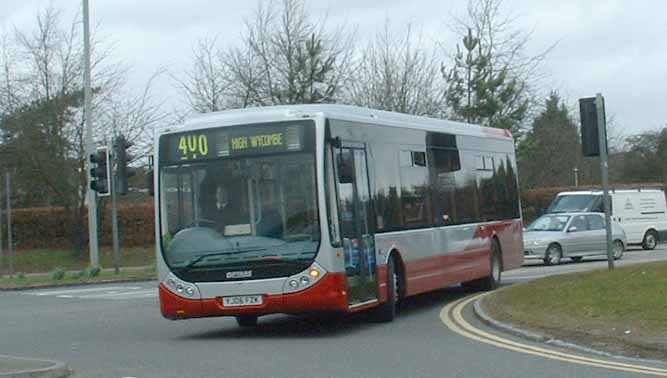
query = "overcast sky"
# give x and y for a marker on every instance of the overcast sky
(616, 47)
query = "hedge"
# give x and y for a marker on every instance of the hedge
(49, 227)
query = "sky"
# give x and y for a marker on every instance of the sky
(614, 47)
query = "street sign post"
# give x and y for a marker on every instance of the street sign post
(594, 143)
(10, 241)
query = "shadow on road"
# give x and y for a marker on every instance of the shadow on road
(319, 326)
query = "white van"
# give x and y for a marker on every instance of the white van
(641, 212)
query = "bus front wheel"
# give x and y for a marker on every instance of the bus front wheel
(386, 312)
(246, 320)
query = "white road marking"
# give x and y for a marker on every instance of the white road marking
(115, 294)
(72, 291)
(108, 292)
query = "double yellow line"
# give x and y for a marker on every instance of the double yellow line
(452, 316)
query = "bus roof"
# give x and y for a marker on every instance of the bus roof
(341, 112)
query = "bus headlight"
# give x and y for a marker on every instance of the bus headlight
(304, 279)
(180, 287)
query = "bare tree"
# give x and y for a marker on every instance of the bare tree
(134, 116)
(397, 74)
(284, 58)
(206, 84)
(41, 99)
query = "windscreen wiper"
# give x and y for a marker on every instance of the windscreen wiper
(196, 260)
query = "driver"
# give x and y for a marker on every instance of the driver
(216, 202)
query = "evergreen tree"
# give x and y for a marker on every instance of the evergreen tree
(481, 94)
(551, 149)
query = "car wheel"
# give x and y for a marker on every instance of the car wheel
(618, 249)
(553, 255)
(576, 258)
(386, 312)
(246, 320)
(650, 240)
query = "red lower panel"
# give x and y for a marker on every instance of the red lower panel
(432, 273)
(328, 295)
(437, 272)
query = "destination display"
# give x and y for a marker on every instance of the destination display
(197, 145)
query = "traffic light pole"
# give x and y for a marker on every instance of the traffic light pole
(91, 198)
(114, 217)
(602, 135)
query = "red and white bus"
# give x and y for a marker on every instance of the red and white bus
(329, 208)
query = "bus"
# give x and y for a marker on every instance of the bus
(329, 208)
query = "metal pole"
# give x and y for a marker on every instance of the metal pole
(10, 242)
(91, 198)
(2, 267)
(576, 177)
(114, 217)
(602, 135)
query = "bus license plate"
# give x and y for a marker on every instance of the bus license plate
(242, 300)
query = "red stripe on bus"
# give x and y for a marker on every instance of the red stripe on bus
(330, 294)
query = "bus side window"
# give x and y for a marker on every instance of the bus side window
(444, 164)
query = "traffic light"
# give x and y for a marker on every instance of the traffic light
(100, 172)
(590, 139)
(122, 158)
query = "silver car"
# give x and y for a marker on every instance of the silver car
(573, 235)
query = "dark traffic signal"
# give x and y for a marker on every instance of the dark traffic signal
(122, 159)
(590, 137)
(100, 172)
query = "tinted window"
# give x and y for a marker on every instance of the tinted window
(442, 168)
(414, 192)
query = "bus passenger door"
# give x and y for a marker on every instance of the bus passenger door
(355, 215)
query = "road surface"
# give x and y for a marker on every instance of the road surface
(117, 331)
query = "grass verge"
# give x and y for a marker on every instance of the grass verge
(76, 278)
(45, 260)
(622, 311)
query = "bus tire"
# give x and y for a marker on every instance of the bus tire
(650, 240)
(492, 281)
(386, 312)
(246, 321)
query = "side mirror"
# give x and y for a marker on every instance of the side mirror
(572, 229)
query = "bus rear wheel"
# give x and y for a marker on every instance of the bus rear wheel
(246, 321)
(492, 281)
(386, 312)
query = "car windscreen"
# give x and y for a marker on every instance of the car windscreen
(549, 223)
